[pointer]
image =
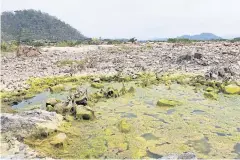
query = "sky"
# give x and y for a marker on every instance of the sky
(143, 19)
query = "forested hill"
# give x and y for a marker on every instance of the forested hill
(35, 25)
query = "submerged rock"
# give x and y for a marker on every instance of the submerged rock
(232, 89)
(210, 95)
(168, 103)
(124, 126)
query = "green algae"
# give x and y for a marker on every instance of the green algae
(124, 126)
(167, 103)
(97, 85)
(178, 132)
(232, 89)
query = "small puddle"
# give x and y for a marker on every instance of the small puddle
(202, 145)
(149, 136)
(128, 115)
(38, 99)
(222, 134)
(153, 155)
(151, 115)
(237, 148)
(170, 111)
(197, 111)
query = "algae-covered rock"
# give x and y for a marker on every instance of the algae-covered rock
(49, 108)
(97, 85)
(111, 93)
(210, 95)
(168, 103)
(232, 89)
(124, 126)
(52, 101)
(209, 89)
(84, 114)
(131, 90)
(57, 88)
(58, 140)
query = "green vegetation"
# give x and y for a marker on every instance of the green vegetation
(70, 62)
(180, 40)
(25, 25)
(9, 46)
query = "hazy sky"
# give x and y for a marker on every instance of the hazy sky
(140, 18)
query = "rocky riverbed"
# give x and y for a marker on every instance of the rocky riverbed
(216, 60)
(142, 100)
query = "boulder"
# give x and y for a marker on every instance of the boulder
(27, 51)
(52, 101)
(167, 103)
(25, 122)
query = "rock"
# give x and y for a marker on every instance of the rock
(52, 101)
(232, 89)
(28, 51)
(167, 103)
(83, 101)
(50, 108)
(210, 95)
(187, 155)
(58, 140)
(197, 55)
(25, 122)
(83, 114)
(96, 80)
(124, 126)
(131, 90)
(97, 85)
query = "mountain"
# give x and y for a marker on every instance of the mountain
(35, 25)
(202, 36)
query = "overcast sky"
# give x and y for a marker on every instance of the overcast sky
(142, 19)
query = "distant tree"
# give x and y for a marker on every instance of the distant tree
(132, 40)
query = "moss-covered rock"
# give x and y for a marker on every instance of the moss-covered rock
(232, 89)
(131, 90)
(168, 103)
(84, 114)
(124, 126)
(97, 85)
(59, 140)
(210, 95)
(57, 88)
(50, 108)
(52, 101)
